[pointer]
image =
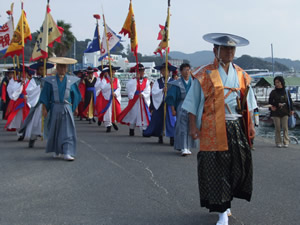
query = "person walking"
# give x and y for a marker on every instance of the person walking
(223, 127)
(281, 109)
(60, 97)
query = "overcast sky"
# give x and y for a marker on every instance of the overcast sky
(262, 22)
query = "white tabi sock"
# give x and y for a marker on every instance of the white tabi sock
(223, 219)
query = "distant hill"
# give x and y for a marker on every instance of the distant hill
(288, 62)
(246, 62)
(195, 59)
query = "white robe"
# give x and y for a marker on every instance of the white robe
(106, 92)
(134, 116)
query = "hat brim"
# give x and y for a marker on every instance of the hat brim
(62, 60)
(170, 68)
(41, 64)
(224, 39)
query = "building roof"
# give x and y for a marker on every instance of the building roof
(268, 82)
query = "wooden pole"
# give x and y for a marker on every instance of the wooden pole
(99, 40)
(166, 68)
(110, 71)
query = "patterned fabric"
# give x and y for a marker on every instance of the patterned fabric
(213, 126)
(223, 175)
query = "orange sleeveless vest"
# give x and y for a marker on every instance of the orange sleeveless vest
(213, 135)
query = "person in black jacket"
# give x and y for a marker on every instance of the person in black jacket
(280, 111)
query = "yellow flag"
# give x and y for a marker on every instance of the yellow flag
(20, 37)
(163, 36)
(130, 29)
(46, 39)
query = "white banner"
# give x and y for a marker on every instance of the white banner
(113, 40)
(6, 34)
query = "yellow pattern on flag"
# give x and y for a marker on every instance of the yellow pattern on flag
(164, 44)
(130, 29)
(46, 39)
(20, 37)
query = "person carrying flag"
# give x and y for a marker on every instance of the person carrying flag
(32, 127)
(9, 74)
(90, 94)
(60, 97)
(156, 125)
(81, 86)
(137, 112)
(20, 103)
(111, 105)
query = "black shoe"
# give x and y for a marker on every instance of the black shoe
(108, 129)
(90, 121)
(172, 141)
(94, 120)
(160, 140)
(99, 123)
(31, 143)
(21, 138)
(131, 132)
(80, 118)
(115, 126)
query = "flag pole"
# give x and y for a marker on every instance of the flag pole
(99, 39)
(22, 35)
(44, 75)
(13, 27)
(166, 68)
(137, 71)
(110, 70)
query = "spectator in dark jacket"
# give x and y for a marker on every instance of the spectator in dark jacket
(280, 111)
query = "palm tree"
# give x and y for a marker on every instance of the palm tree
(61, 49)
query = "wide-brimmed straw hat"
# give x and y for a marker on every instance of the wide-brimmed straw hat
(224, 39)
(62, 60)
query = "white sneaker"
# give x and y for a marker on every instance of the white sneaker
(57, 156)
(278, 145)
(285, 146)
(185, 152)
(69, 158)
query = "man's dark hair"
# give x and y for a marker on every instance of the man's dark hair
(280, 79)
(183, 65)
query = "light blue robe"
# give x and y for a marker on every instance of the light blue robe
(177, 91)
(61, 98)
(194, 101)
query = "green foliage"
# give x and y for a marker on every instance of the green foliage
(61, 49)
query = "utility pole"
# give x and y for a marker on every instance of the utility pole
(272, 60)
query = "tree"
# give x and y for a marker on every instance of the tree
(61, 49)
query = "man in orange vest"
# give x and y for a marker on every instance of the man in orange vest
(219, 103)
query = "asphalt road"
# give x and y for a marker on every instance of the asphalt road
(122, 180)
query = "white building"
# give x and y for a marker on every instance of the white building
(149, 67)
(91, 59)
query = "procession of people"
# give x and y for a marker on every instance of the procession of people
(208, 108)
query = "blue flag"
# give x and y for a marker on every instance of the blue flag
(94, 45)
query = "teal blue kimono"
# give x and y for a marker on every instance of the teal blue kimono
(61, 98)
(177, 91)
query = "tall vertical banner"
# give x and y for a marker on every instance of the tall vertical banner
(48, 34)
(6, 34)
(130, 29)
(113, 40)
(94, 45)
(21, 35)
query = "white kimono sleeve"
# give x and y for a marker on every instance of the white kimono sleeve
(157, 95)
